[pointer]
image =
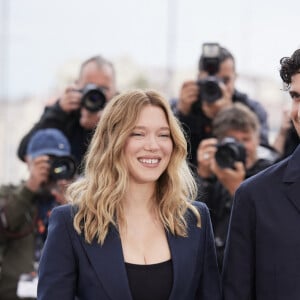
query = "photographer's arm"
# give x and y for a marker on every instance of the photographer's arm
(16, 207)
(188, 95)
(70, 100)
(231, 179)
(206, 180)
(19, 206)
(205, 154)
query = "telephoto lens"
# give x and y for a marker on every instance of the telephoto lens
(93, 97)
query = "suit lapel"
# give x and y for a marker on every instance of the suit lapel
(291, 179)
(108, 262)
(292, 191)
(184, 252)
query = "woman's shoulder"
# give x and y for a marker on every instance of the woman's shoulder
(66, 211)
(202, 210)
(201, 207)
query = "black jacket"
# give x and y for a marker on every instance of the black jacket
(219, 202)
(68, 123)
(262, 253)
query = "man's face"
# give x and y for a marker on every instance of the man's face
(227, 75)
(295, 95)
(104, 78)
(250, 141)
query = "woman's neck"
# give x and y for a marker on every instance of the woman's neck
(139, 197)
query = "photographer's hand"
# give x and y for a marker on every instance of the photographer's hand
(38, 172)
(188, 95)
(230, 178)
(205, 155)
(71, 99)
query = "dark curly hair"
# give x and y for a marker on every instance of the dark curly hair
(289, 67)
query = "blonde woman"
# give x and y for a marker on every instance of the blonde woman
(131, 231)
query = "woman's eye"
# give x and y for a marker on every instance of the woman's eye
(136, 134)
(165, 135)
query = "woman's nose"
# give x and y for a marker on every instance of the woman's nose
(151, 143)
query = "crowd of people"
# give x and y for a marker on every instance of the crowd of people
(131, 195)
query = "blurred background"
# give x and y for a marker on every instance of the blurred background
(153, 44)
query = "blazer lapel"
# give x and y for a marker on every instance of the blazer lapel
(291, 179)
(108, 262)
(184, 252)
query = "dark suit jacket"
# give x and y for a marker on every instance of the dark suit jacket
(70, 267)
(262, 257)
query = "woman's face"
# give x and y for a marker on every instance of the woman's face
(149, 147)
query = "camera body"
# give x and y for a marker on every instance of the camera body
(210, 62)
(209, 89)
(93, 97)
(61, 167)
(229, 151)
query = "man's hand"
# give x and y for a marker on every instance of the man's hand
(230, 178)
(205, 155)
(38, 172)
(207, 166)
(71, 99)
(188, 95)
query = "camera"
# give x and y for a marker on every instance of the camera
(93, 97)
(209, 89)
(229, 150)
(61, 167)
(210, 62)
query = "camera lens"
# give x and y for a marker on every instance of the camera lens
(209, 89)
(228, 152)
(93, 98)
(62, 168)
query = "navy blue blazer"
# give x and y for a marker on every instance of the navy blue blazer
(262, 257)
(71, 267)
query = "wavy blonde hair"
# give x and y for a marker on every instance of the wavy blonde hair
(99, 193)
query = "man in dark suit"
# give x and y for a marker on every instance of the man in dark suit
(262, 256)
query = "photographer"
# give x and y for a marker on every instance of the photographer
(225, 161)
(78, 110)
(214, 89)
(25, 208)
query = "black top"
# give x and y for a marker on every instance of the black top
(148, 282)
